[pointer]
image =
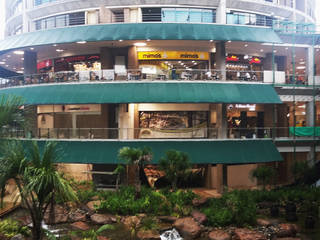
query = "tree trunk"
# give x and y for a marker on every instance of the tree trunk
(37, 233)
(137, 183)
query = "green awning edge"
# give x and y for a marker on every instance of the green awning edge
(242, 151)
(142, 92)
(141, 31)
(304, 131)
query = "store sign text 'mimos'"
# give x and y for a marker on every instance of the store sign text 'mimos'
(173, 55)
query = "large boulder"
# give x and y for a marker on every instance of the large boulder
(102, 219)
(199, 217)
(219, 235)
(188, 227)
(199, 201)
(287, 230)
(246, 234)
(131, 221)
(93, 204)
(77, 216)
(148, 235)
(167, 219)
(80, 226)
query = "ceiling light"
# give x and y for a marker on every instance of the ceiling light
(301, 67)
(261, 50)
(229, 41)
(245, 57)
(7, 65)
(140, 44)
(22, 68)
(246, 45)
(287, 48)
(54, 45)
(211, 40)
(120, 40)
(22, 59)
(148, 40)
(2, 63)
(8, 56)
(275, 51)
(18, 52)
(59, 50)
(82, 42)
(31, 48)
(19, 71)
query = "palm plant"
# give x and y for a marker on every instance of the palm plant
(136, 157)
(176, 165)
(36, 177)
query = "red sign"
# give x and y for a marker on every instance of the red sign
(232, 58)
(44, 64)
(255, 60)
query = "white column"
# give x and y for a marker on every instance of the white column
(25, 19)
(220, 60)
(221, 16)
(310, 65)
(310, 114)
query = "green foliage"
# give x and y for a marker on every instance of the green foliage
(149, 223)
(92, 234)
(176, 165)
(136, 156)
(123, 202)
(236, 207)
(263, 174)
(10, 112)
(9, 228)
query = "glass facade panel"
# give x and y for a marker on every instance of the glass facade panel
(186, 15)
(61, 21)
(168, 15)
(39, 2)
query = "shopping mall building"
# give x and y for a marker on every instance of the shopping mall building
(230, 82)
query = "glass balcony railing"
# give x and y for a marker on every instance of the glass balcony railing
(284, 133)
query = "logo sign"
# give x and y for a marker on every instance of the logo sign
(232, 58)
(173, 55)
(255, 60)
(44, 64)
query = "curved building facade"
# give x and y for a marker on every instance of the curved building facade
(216, 79)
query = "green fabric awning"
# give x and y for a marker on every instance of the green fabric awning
(200, 151)
(141, 31)
(304, 131)
(152, 92)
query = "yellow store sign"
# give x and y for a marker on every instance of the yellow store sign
(173, 55)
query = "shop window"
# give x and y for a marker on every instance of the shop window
(117, 15)
(151, 14)
(76, 18)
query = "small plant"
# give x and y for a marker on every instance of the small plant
(149, 223)
(176, 165)
(264, 175)
(94, 234)
(9, 228)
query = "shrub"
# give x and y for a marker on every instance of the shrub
(263, 174)
(9, 228)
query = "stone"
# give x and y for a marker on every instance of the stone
(219, 235)
(60, 215)
(80, 226)
(199, 201)
(24, 220)
(91, 205)
(263, 222)
(167, 219)
(188, 227)
(95, 198)
(131, 221)
(18, 237)
(199, 217)
(77, 216)
(287, 230)
(148, 235)
(246, 234)
(102, 219)
(102, 238)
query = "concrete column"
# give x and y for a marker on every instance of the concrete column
(105, 15)
(25, 18)
(222, 121)
(133, 62)
(220, 59)
(310, 114)
(126, 13)
(106, 58)
(221, 16)
(310, 65)
(219, 178)
(30, 62)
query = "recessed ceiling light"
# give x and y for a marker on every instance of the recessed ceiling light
(8, 56)
(31, 48)
(7, 65)
(140, 44)
(54, 45)
(287, 48)
(82, 42)
(59, 50)
(246, 45)
(120, 40)
(19, 71)
(275, 51)
(18, 52)
(22, 59)
(229, 41)
(2, 63)
(261, 50)
(211, 40)
(22, 68)
(148, 40)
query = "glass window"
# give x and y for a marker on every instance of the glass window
(196, 15)
(208, 16)
(182, 15)
(168, 15)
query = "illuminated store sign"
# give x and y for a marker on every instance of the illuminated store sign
(173, 55)
(255, 60)
(232, 58)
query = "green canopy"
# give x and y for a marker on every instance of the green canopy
(200, 151)
(305, 131)
(152, 92)
(141, 31)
